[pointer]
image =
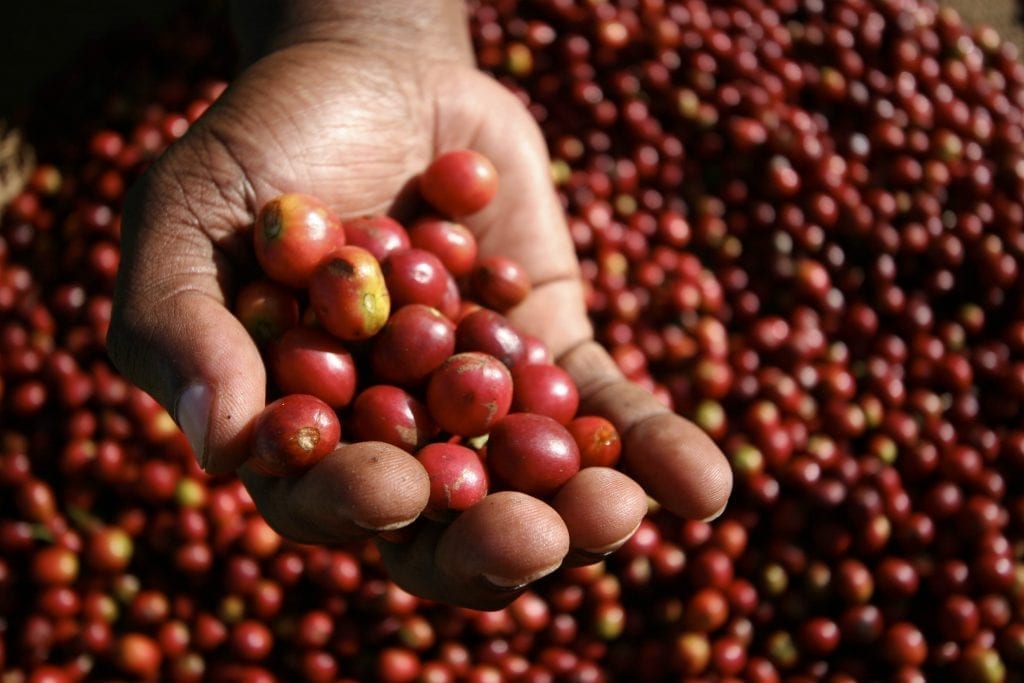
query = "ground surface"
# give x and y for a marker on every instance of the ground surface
(1003, 15)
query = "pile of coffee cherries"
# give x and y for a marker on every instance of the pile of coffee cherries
(800, 224)
(401, 334)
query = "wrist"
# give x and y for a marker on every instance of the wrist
(435, 27)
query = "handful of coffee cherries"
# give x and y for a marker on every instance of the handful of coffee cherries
(376, 331)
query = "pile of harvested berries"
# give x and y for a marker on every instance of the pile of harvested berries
(800, 223)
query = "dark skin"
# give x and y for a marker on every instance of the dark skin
(327, 112)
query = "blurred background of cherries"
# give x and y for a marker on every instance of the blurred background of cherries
(801, 225)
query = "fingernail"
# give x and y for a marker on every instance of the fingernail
(386, 527)
(606, 550)
(716, 515)
(192, 413)
(508, 584)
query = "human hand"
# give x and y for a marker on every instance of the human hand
(336, 113)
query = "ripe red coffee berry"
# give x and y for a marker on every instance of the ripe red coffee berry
(532, 453)
(545, 389)
(54, 566)
(138, 655)
(348, 294)
(266, 309)
(499, 282)
(292, 434)
(597, 439)
(415, 276)
(109, 549)
(451, 242)
(451, 304)
(379, 235)
(490, 332)
(387, 413)
(459, 182)
(294, 234)
(458, 479)
(415, 341)
(307, 360)
(469, 393)
(536, 351)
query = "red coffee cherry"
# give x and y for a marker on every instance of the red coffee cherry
(469, 393)
(292, 434)
(459, 182)
(458, 479)
(532, 453)
(294, 234)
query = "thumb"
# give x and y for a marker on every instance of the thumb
(171, 332)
